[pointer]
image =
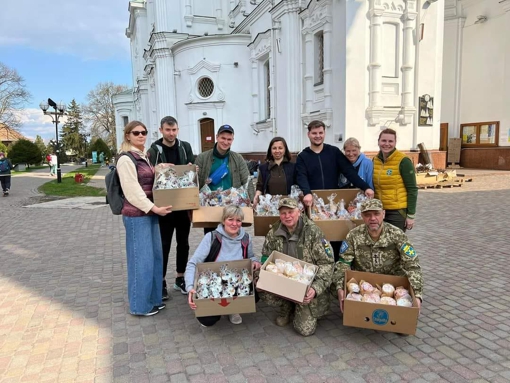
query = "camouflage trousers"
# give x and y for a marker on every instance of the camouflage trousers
(304, 322)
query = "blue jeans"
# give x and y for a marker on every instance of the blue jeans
(144, 263)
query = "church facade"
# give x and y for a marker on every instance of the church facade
(269, 67)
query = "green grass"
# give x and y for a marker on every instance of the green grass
(70, 188)
(30, 169)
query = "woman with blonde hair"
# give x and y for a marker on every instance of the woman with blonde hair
(139, 215)
(361, 163)
(228, 242)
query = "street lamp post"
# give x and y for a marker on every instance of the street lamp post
(59, 111)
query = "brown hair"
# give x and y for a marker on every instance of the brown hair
(269, 155)
(316, 124)
(388, 131)
(126, 145)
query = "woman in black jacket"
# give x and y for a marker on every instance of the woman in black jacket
(276, 175)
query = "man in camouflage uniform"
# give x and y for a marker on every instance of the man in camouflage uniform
(377, 247)
(297, 236)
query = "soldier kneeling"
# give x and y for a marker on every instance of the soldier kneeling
(377, 247)
(297, 236)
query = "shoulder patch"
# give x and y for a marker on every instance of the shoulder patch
(327, 248)
(408, 250)
(344, 247)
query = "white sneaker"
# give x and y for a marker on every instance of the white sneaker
(235, 319)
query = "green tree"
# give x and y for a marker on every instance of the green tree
(72, 132)
(4, 149)
(98, 145)
(40, 144)
(25, 152)
(101, 113)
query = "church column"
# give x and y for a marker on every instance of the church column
(309, 57)
(290, 29)
(328, 72)
(165, 83)
(161, 15)
(408, 54)
(255, 89)
(374, 67)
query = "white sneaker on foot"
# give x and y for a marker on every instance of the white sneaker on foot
(235, 319)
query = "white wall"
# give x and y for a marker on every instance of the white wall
(483, 50)
(485, 73)
(231, 100)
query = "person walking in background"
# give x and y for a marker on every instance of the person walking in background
(139, 215)
(53, 165)
(5, 173)
(170, 150)
(48, 160)
(276, 175)
(101, 158)
(395, 182)
(361, 163)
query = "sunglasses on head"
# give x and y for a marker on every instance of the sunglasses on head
(138, 132)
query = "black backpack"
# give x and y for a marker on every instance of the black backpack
(216, 246)
(114, 194)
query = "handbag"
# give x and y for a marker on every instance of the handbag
(219, 173)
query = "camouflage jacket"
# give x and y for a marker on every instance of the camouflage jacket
(313, 248)
(392, 254)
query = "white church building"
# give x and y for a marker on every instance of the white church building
(269, 67)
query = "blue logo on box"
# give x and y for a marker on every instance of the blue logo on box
(380, 317)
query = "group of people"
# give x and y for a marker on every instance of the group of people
(379, 245)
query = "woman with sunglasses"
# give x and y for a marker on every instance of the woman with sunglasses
(139, 214)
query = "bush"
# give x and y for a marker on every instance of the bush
(99, 146)
(4, 149)
(25, 152)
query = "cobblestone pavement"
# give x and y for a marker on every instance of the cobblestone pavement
(63, 310)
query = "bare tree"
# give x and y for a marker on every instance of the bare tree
(100, 113)
(13, 96)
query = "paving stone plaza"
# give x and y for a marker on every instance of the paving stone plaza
(63, 305)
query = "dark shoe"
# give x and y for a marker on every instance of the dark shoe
(154, 311)
(180, 285)
(162, 306)
(165, 294)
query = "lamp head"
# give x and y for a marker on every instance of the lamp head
(61, 107)
(44, 106)
(52, 103)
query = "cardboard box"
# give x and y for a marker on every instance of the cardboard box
(224, 306)
(262, 224)
(427, 178)
(179, 199)
(280, 285)
(375, 316)
(337, 229)
(210, 216)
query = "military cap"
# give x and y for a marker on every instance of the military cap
(287, 202)
(371, 204)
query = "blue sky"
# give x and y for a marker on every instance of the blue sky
(63, 51)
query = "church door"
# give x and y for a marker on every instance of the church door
(207, 133)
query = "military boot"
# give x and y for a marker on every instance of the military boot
(285, 313)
